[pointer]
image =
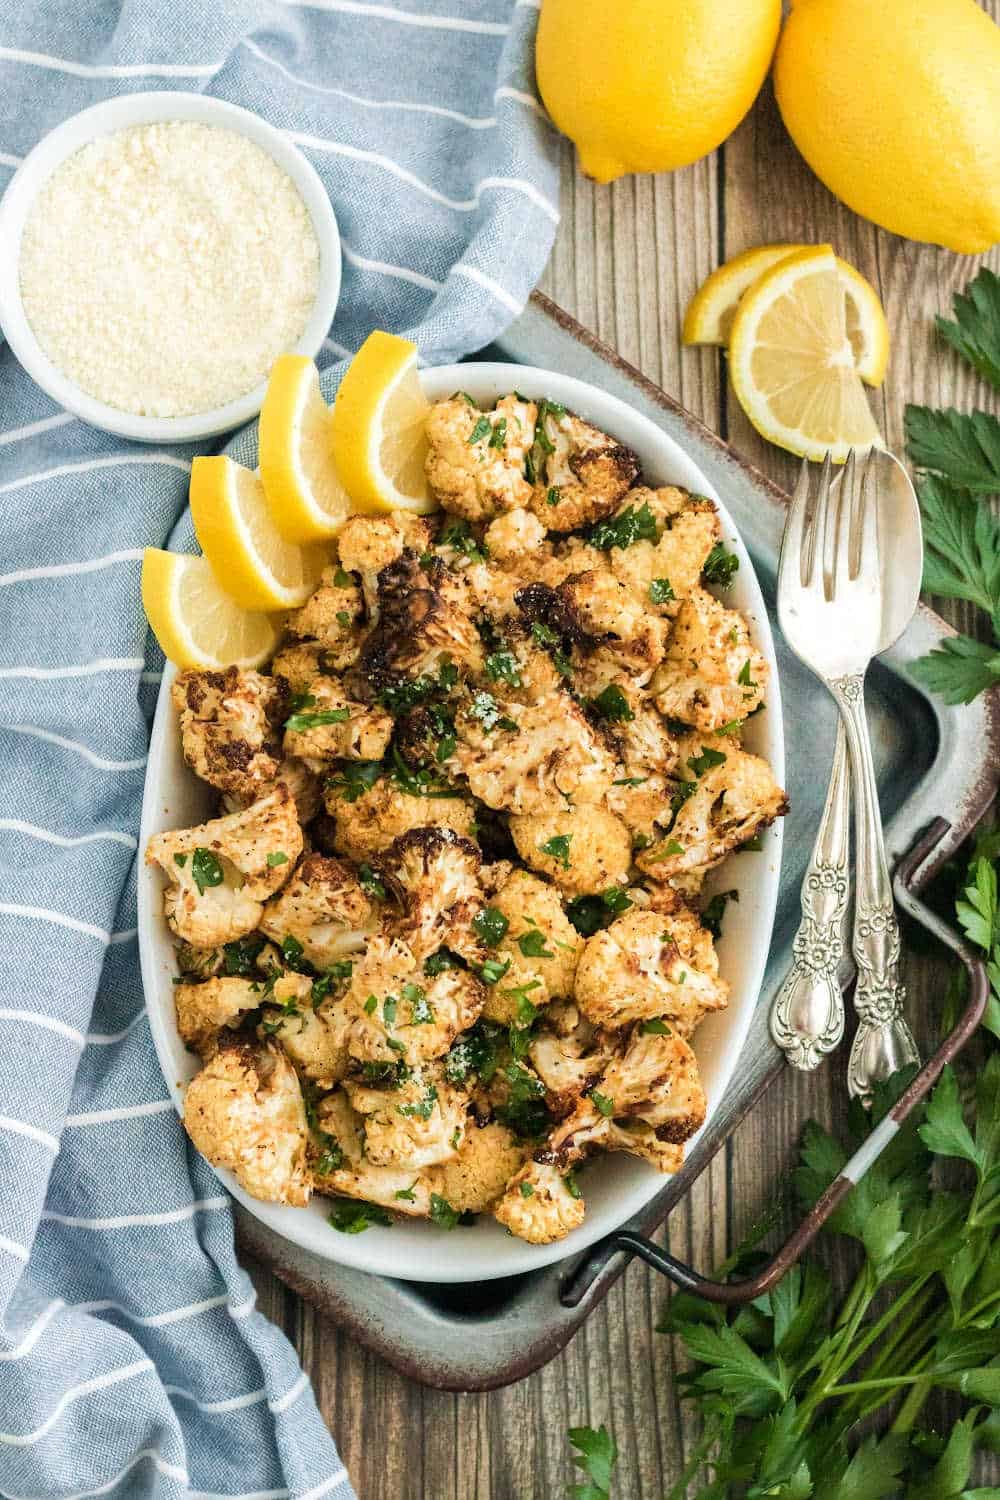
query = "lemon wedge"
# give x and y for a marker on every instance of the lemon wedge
(792, 364)
(379, 428)
(308, 502)
(252, 560)
(710, 313)
(195, 621)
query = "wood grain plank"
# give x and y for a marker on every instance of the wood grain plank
(626, 261)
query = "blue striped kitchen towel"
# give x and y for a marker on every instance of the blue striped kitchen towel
(132, 1361)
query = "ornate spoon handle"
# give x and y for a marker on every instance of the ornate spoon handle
(807, 1019)
(883, 1041)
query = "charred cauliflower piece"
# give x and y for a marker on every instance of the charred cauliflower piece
(604, 612)
(314, 1039)
(328, 727)
(662, 573)
(330, 617)
(425, 625)
(396, 1011)
(581, 474)
(646, 966)
(539, 1206)
(229, 725)
(727, 796)
(712, 674)
(474, 1179)
(475, 461)
(244, 1111)
(324, 909)
(204, 1009)
(371, 821)
(435, 874)
(511, 536)
(221, 871)
(301, 662)
(657, 1081)
(526, 758)
(568, 1064)
(583, 849)
(340, 1167)
(536, 942)
(367, 544)
(418, 1124)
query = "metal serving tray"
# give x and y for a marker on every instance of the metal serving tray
(930, 760)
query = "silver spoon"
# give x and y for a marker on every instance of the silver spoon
(807, 1017)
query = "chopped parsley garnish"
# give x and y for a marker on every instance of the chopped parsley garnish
(501, 666)
(300, 722)
(744, 679)
(421, 1009)
(239, 958)
(419, 783)
(612, 705)
(532, 944)
(351, 1217)
(458, 535)
(589, 914)
(490, 925)
(720, 566)
(342, 579)
(603, 1104)
(706, 759)
(422, 1109)
(180, 860)
(754, 845)
(442, 1213)
(499, 434)
(385, 1075)
(330, 1159)
(655, 1027)
(671, 847)
(293, 953)
(493, 970)
(572, 1186)
(277, 858)
(407, 1195)
(483, 428)
(682, 791)
(545, 409)
(733, 727)
(459, 396)
(371, 883)
(524, 1111)
(342, 969)
(660, 591)
(554, 495)
(631, 781)
(634, 524)
(713, 912)
(354, 778)
(544, 634)
(343, 618)
(439, 961)
(557, 847)
(371, 1005)
(206, 870)
(476, 1051)
(527, 1191)
(389, 1007)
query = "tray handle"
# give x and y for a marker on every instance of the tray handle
(627, 1241)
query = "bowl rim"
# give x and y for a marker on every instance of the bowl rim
(106, 118)
(376, 1251)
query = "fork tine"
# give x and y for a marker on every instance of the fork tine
(823, 520)
(812, 545)
(841, 551)
(866, 549)
(794, 533)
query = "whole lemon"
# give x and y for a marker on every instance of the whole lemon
(895, 104)
(650, 85)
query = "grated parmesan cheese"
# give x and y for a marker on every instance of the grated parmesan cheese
(165, 267)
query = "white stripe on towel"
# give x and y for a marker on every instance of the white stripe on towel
(100, 762)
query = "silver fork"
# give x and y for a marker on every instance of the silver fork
(830, 610)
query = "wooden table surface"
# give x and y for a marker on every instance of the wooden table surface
(626, 261)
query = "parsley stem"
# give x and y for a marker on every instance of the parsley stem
(856, 1408)
(911, 1407)
(710, 1435)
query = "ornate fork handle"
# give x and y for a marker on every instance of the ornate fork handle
(883, 1041)
(807, 1020)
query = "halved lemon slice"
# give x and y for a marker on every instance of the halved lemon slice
(252, 560)
(710, 314)
(308, 502)
(379, 428)
(195, 621)
(712, 308)
(792, 364)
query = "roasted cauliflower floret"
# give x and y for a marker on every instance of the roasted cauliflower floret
(372, 820)
(646, 966)
(583, 849)
(418, 1124)
(314, 1039)
(367, 544)
(568, 1064)
(535, 941)
(474, 1179)
(435, 874)
(524, 758)
(300, 662)
(339, 1165)
(328, 726)
(539, 1206)
(726, 797)
(510, 536)
(301, 781)
(425, 625)
(396, 1011)
(712, 674)
(662, 573)
(581, 474)
(330, 616)
(221, 871)
(657, 1081)
(229, 725)
(244, 1111)
(204, 1009)
(605, 613)
(475, 460)
(323, 909)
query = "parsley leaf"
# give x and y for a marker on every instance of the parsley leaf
(720, 566)
(975, 332)
(660, 591)
(501, 666)
(712, 913)
(490, 925)
(349, 1216)
(442, 1213)
(300, 722)
(613, 705)
(532, 944)
(707, 758)
(557, 847)
(483, 428)
(958, 669)
(634, 524)
(963, 447)
(596, 1455)
(206, 870)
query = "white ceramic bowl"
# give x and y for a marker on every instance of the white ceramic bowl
(615, 1186)
(105, 119)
